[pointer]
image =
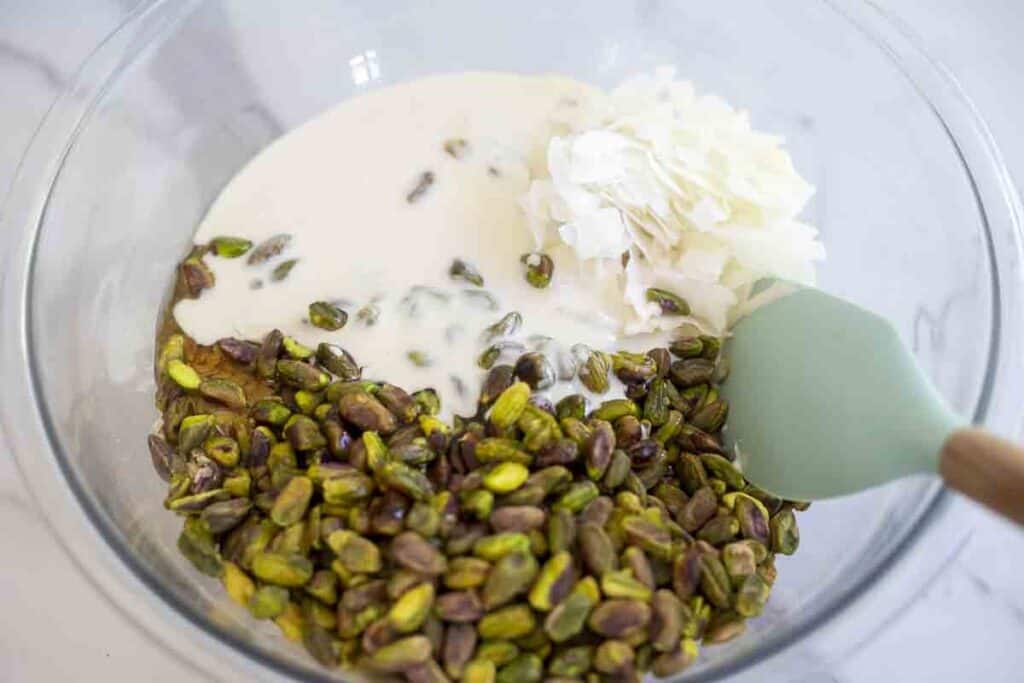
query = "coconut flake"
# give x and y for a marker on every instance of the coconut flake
(704, 204)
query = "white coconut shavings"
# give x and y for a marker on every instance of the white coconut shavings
(703, 205)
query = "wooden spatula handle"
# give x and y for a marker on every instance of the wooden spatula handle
(986, 468)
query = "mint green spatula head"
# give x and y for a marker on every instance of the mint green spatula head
(826, 400)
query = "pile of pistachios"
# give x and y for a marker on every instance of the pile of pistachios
(527, 542)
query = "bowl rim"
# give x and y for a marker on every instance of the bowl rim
(78, 526)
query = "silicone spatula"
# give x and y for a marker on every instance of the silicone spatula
(825, 400)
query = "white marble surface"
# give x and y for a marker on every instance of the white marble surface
(967, 625)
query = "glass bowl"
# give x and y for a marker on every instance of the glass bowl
(918, 215)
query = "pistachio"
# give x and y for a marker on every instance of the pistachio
(499, 652)
(714, 581)
(561, 531)
(165, 460)
(461, 270)
(398, 402)
(428, 404)
(618, 470)
(509, 405)
(497, 450)
(338, 362)
(347, 487)
(196, 276)
(366, 412)
(577, 496)
(270, 349)
(479, 671)
(539, 269)
(496, 546)
(327, 316)
(463, 537)
(506, 623)
(597, 511)
(572, 662)
(410, 550)
(647, 535)
(303, 433)
(270, 411)
(526, 668)
(668, 431)
(669, 303)
(785, 536)
(237, 584)
(506, 327)
(634, 368)
(461, 607)
(597, 451)
(686, 572)
(553, 582)
(710, 417)
(197, 501)
(629, 430)
(752, 596)
(658, 402)
(505, 477)
(407, 480)
(459, 644)
(223, 391)
(356, 554)
(619, 618)
(268, 602)
(301, 375)
(401, 655)
(183, 374)
(466, 572)
(666, 621)
(766, 570)
(511, 576)
(621, 584)
(613, 657)
(410, 610)
(296, 349)
(535, 369)
(499, 378)
(596, 549)
(172, 349)
(268, 249)
(225, 515)
(594, 367)
(670, 663)
(724, 626)
(753, 520)
(568, 617)
(289, 570)
(719, 530)
(197, 544)
(520, 518)
(282, 270)
(691, 372)
(699, 509)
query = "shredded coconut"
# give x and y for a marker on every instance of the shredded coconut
(703, 205)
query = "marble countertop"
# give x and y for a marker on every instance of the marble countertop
(968, 623)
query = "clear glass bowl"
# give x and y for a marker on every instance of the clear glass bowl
(920, 221)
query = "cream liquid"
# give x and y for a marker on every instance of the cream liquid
(339, 186)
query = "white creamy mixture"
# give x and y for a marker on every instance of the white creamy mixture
(339, 186)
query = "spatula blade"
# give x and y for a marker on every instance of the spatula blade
(825, 399)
